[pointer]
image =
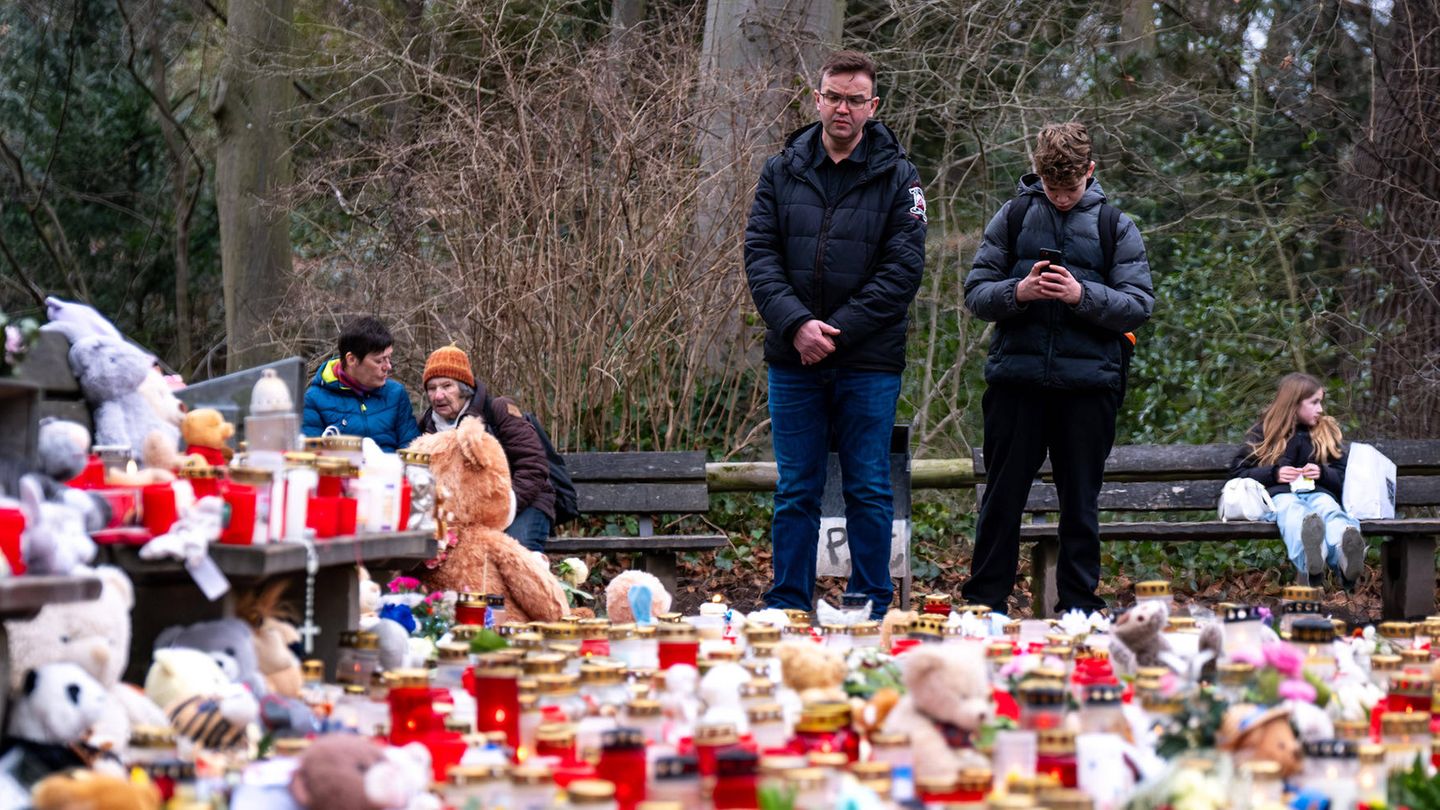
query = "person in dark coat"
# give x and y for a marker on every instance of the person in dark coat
(1056, 369)
(455, 395)
(354, 393)
(1297, 453)
(834, 254)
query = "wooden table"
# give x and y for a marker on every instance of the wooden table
(165, 595)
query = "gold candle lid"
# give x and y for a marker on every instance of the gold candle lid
(532, 773)
(762, 633)
(290, 747)
(889, 739)
(462, 775)
(1370, 753)
(937, 599)
(1152, 588)
(561, 734)
(594, 629)
(335, 467)
(620, 632)
(835, 629)
(1352, 729)
(730, 655)
(1066, 799)
(560, 631)
(1396, 630)
(410, 679)
(313, 669)
(452, 652)
(1415, 723)
(1261, 770)
(716, 734)
(831, 760)
(1056, 741)
(414, 458)
(590, 791)
(676, 632)
(527, 641)
(764, 713)
(152, 737)
(865, 629)
(1300, 593)
(803, 618)
(1384, 663)
(804, 779)
(1180, 624)
(250, 476)
(537, 664)
(974, 779)
(1415, 656)
(823, 717)
(670, 617)
(597, 674)
(560, 685)
(642, 708)
(871, 770)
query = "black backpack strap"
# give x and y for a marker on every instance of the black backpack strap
(1014, 223)
(1109, 234)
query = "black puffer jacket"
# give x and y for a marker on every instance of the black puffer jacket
(854, 263)
(1299, 451)
(1050, 343)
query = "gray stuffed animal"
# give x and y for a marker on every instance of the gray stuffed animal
(63, 450)
(55, 540)
(111, 373)
(229, 641)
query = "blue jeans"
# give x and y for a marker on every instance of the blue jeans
(1291, 509)
(807, 407)
(531, 528)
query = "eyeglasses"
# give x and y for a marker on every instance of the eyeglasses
(835, 99)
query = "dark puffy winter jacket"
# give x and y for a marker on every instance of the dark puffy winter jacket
(854, 263)
(529, 465)
(1049, 343)
(1299, 451)
(384, 414)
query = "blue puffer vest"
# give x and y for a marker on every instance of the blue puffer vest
(384, 414)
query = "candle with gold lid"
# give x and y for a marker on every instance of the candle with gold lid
(767, 727)
(1406, 736)
(1154, 590)
(803, 618)
(936, 603)
(532, 785)
(1371, 778)
(678, 644)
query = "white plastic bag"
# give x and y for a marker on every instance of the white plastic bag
(1245, 499)
(1369, 484)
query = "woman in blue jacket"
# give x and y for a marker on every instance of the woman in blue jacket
(354, 392)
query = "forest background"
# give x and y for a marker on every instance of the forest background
(560, 187)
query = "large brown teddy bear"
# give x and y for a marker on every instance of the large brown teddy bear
(947, 699)
(472, 480)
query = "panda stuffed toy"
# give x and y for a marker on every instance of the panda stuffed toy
(50, 719)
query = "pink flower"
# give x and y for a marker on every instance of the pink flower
(1297, 690)
(1248, 655)
(1285, 659)
(13, 340)
(404, 584)
(435, 596)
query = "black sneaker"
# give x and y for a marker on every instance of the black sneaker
(1352, 554)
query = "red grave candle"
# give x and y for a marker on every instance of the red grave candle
(496, 687)
(678, 644)
(240, 531)
(12, 526)
(622, 762)
(157, 503)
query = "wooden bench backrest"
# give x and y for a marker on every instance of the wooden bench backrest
(639, 483)
(1188, 478)
(48, 366)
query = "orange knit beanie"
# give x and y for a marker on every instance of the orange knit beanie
(449, 361)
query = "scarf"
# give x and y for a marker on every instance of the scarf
(350, 382)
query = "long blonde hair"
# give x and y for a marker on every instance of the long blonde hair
(1278, 423)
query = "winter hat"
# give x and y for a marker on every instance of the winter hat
(449, 361)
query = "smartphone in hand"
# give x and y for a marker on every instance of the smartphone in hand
(1052, 255)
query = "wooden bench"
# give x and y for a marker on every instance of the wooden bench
(1169, 493)
(645, 485)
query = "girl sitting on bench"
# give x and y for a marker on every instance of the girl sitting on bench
(1295, 451)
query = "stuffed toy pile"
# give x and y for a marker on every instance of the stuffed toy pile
(473, 481)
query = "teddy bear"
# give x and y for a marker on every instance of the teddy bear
(357, 773)
(206, 432)
(617, 596)
(55, 540)
(278, 664)
(95, 635)
(1137, 637)
(1255, 733)
(203, 706)
(815, 672)
(472, 478)
(62, 450)
(110, 373)
(230, 642)
(89, 790)
(896, 623)
(49, 723)
(947, 699)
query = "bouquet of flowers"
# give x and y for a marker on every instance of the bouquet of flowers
(425, 615)
(20, 335)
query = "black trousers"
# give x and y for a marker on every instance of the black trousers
(1022, 425)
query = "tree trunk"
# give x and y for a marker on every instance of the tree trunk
(252, 172)
(625, 17)
(1137, 29)
(182, 199)
(1397, 191)
(758, 58)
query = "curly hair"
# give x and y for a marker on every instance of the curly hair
(1062, 153)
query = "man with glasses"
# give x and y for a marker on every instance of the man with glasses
(834, 253)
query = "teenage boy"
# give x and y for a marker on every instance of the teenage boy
(1063, 276)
